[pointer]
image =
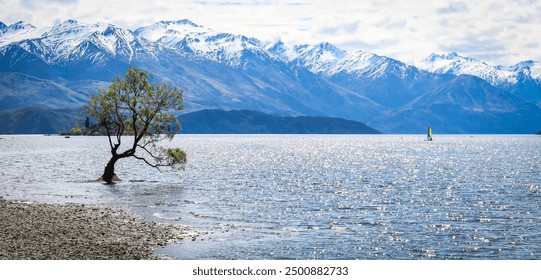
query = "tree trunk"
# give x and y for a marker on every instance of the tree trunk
(109, 173)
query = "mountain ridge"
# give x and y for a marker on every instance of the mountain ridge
(523, 78)
(234, 72)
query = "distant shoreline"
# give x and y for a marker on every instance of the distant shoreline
(36, 231)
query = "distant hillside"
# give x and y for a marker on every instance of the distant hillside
(214, 121)
(38, 120)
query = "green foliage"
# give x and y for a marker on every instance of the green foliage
(138, 107)
(76, 130)
(176, 156)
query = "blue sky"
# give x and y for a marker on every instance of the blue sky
(496, 31)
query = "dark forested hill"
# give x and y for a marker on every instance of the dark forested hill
(252, 122)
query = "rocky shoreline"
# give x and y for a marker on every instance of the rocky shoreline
(30, 231)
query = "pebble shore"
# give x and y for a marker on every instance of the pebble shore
(35, 231)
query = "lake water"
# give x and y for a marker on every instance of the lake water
(308, 196)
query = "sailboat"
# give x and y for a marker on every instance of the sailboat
(429, 135)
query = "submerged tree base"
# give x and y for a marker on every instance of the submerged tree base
(114, 180)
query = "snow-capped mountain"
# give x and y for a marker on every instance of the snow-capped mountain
(523, 79)
(455, 64)
(385, 80)
(529, 68)
(318, 58)
(73, 49)
(72, 41)
(171, 32)
(228, 71)
(203, 43)
(217, 70)
(17, 32)
(328, 60)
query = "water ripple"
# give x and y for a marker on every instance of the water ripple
(310, 196)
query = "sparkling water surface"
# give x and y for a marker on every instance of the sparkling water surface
(308, 196)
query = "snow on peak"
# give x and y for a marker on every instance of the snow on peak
(183, 22)
(225, 47)
(355, 61)
(317, 58)
(188, 37)
(21, 25)
(321, 57)
(327, 59)
(328, 52)
(170, 31)
(535, 70)
(496, 75)
(529, 68)
(449, 63)
(17, 32)
(72, 40)
(448, 56)
(369, 65)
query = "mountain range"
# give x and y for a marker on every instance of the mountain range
(57, 68)
(522, 79)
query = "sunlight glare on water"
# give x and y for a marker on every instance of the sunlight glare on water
(309, 196)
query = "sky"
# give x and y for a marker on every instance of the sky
(499, 32)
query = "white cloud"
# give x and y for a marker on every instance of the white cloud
(454, 7)
(499, 31)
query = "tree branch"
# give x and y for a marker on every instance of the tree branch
(157, 166)
(119, 122)
(109, 135)
(149, 152)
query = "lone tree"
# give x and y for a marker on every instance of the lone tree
(139, 108)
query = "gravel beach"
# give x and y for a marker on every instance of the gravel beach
(30, 231)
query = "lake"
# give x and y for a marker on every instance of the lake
(308, 196)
